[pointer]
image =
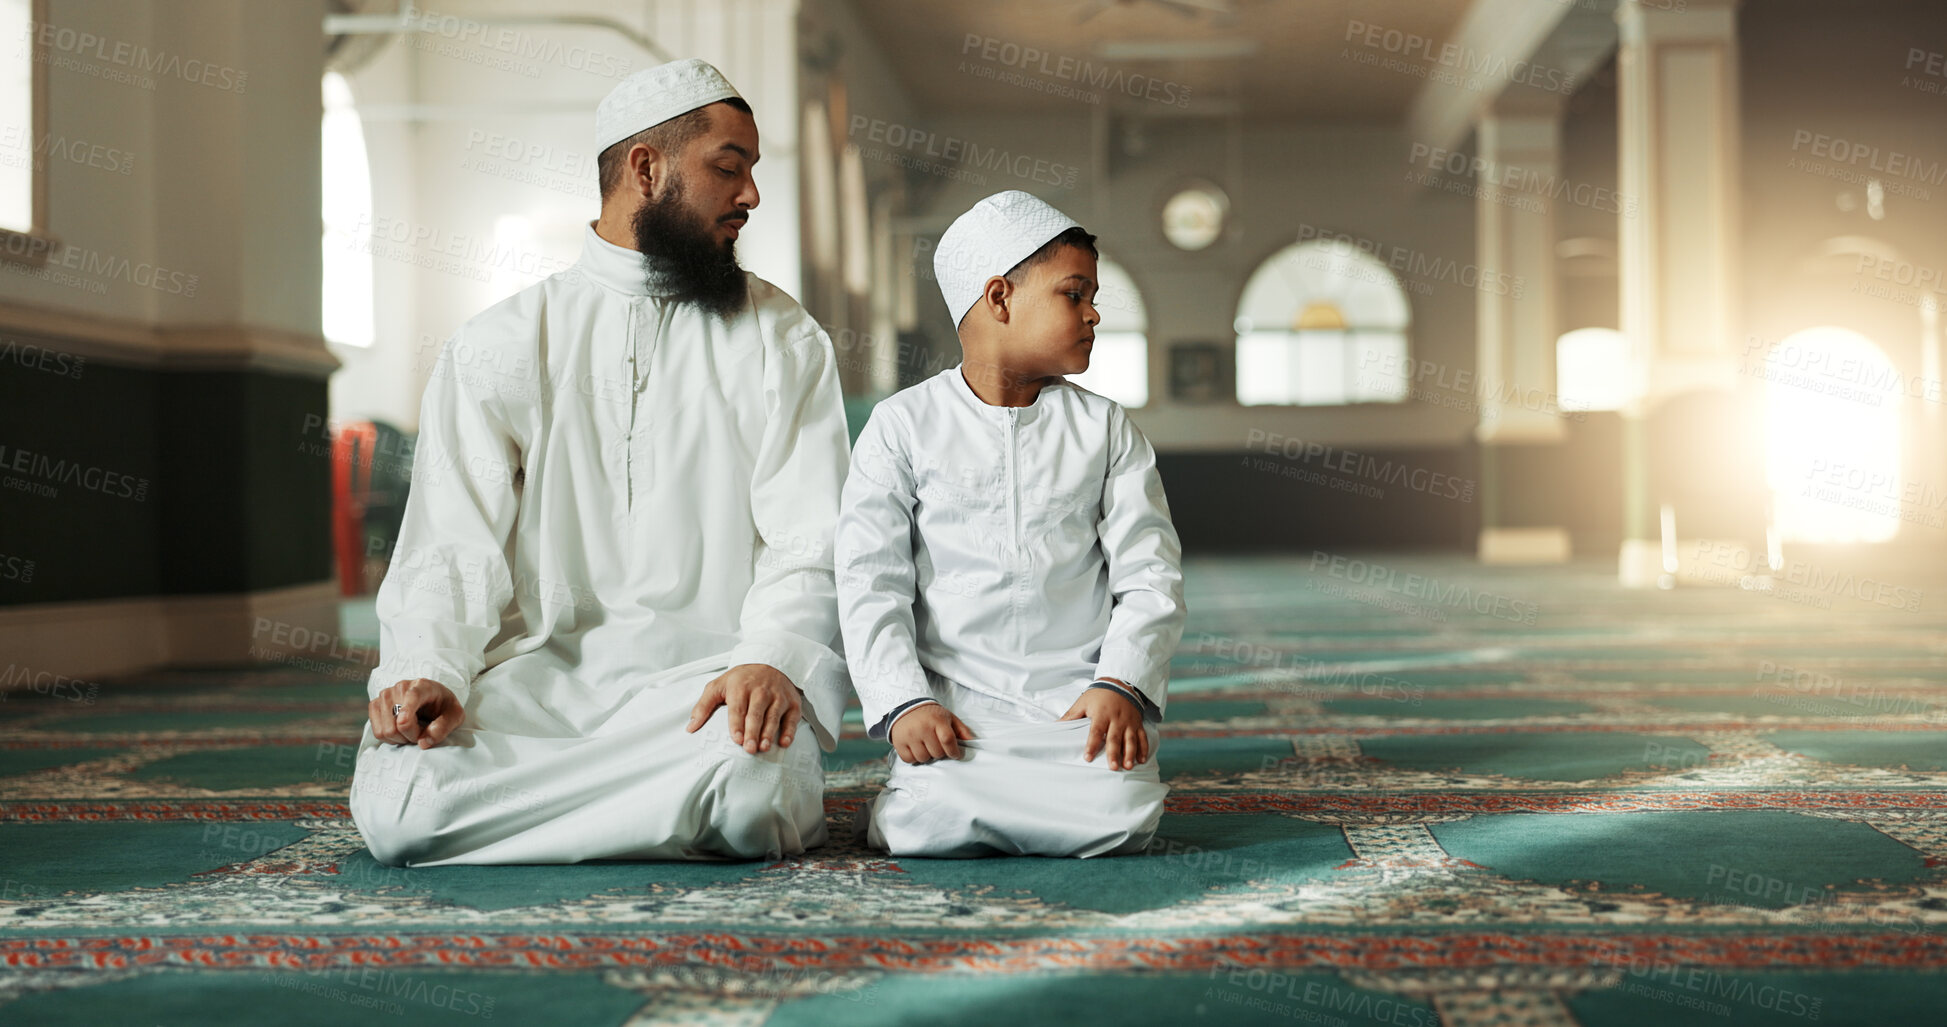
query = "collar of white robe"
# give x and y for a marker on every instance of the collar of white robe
(619, 268)
(1022, 415)
(623, 271)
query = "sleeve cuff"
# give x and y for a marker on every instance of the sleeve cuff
(809, 666)
(883, 729)
(1133, 664)
(794, 657)
(1150, 711)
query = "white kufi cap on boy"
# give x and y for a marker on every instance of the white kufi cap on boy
(989, 239)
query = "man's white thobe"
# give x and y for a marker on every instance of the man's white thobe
(616, 498)
(997, 560)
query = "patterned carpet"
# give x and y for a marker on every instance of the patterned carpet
(1404, 793)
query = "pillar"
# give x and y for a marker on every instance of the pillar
(1520, 430)
(1677, 110)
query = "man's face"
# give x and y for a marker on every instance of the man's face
(700, 197)
(715, 171)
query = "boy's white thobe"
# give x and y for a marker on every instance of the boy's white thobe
(997, 560)
(616, 498)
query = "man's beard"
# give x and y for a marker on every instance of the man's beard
(681, 252)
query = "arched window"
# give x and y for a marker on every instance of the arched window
(1832, 414)
(1592, 369)
(347, 283)
(1322, 323)
(1118, 365)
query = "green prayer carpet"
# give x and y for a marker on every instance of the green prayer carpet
(1584, 805)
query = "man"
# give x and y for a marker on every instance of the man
(611, 607)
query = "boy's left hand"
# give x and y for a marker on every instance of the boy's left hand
(1115, 720)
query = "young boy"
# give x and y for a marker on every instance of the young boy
(1008, 585)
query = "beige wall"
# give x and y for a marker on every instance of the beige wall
(221, 175)
(451, 127)
(1337, 179)
(190, 284)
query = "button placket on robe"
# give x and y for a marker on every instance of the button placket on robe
(641, 454)
(635, 389)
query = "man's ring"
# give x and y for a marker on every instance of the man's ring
(396, 707)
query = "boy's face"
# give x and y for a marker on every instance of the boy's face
(1052, 318)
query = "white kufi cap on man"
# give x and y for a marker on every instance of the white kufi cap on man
(989, 239)
(654, 95)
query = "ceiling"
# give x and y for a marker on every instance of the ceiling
(1302, 67)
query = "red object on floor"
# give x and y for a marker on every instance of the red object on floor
(352, 446)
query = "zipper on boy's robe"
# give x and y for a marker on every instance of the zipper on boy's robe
(1014, 528)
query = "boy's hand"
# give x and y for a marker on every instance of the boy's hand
(1116, 720)
(928, 732)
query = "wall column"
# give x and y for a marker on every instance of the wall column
(1520, 430)
(1678, 116)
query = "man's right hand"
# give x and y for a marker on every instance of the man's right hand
(428, 712)
(928, 732)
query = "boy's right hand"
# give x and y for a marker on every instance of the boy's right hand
(928, 732)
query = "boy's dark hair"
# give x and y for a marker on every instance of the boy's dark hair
(670, 137)
(1077, 237)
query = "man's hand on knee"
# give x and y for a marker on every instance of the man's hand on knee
(763, 706)
(419, 712)
(928, 732)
